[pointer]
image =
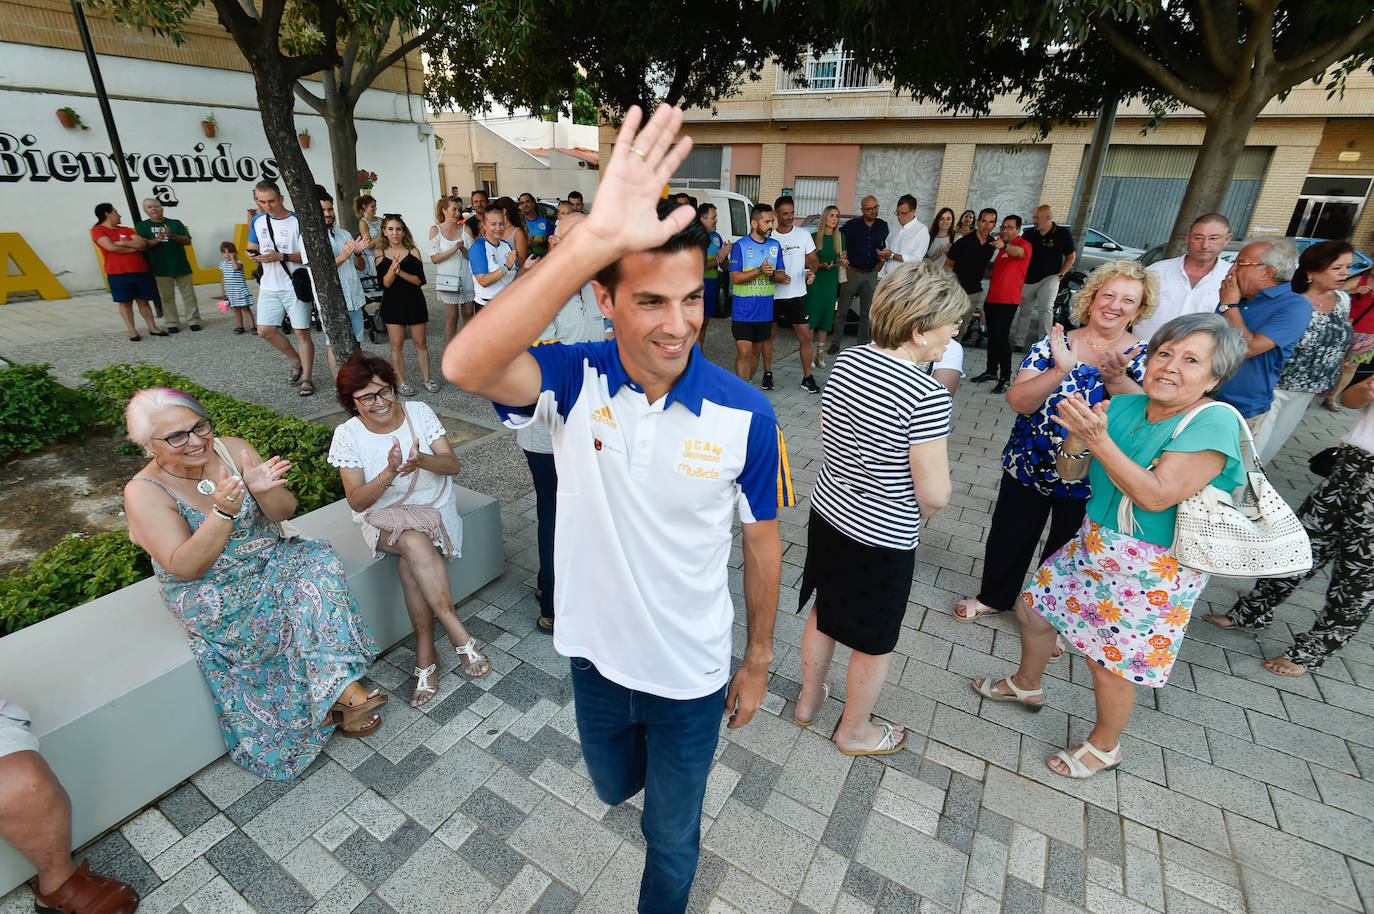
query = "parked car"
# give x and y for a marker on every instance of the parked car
(732, 209)
(812, 221)
(1359, 263)
(1099, 249)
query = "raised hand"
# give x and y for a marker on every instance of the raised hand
(1077, 418)
(643, 160)
(412, 459)
(228, 494)
(393, 456)
(265, 476)
(1060, 348)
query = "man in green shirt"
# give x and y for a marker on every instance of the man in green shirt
(170, 268)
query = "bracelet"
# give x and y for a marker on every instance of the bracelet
(384, 485)
(1082, 455)
(224, 514)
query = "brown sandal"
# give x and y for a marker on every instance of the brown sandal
(342, 714)
(86, 893)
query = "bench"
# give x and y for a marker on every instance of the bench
(120, 707)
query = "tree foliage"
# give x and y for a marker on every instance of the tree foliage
(621, 52)
(1225, 58)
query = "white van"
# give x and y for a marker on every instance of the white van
(732, 209)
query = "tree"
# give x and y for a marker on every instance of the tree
(1225, 58)
(621, 52)
(281, 43)
(362, 59)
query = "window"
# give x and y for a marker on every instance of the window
(739, 217)
(814, 194)
(748, 185)
(831, 70)
(485, 175)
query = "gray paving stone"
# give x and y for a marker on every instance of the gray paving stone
(1104, 834)
(1251, 695)
(861, 785)
(861, 882)
(934, 774)
(437, 879)
(492, 812)
(1261, 763)
(1345, 792)
(557, 747)
(490, 855)
(1219, 787)
(710, 872)
(753, 788)
(737, 757)
(897, 899)
(257, 799)
(274, 892)
(187, 808)
(448, 708)
(1170, 812)
(1211, 713)
(373, 905)
(1291, 859)
(624, 820)
(1325, 825)
(1144, 875)
(986, 740)
(542, 837)
(1022, 898)
(432, 796)
(520, 755)
(845, 826)
(955, 834)
(240, 860)
(963, 799)
(407, 839)
(1302, 742)
(1065, 875)
(114, 857)
(922, 864)
(557, 899)
(761, 846)
(815, 772)
(1328, 718)
(368, 858)
(515, 694)
(1265, 893)
(1023, 800)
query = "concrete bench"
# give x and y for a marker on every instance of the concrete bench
(119, 705)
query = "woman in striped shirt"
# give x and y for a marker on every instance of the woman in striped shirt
(884, 423)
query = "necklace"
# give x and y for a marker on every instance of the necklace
(1113, 345)
(203, 486)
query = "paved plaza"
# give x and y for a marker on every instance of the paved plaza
(1240, 790)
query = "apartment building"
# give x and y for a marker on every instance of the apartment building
(834, 133)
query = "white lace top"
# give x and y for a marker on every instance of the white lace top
(355, 446)
(456, 268)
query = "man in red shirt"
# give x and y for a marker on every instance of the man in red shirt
(122, 258)
(1004, 297)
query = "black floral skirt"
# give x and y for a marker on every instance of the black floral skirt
(861, 590)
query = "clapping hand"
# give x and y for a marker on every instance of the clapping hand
(412, 459)
(1086, 423)
(228, 494)
(393, 456)
(1112, 368)
(625, 218)
(510, 261)
(1060, 348)
(265, 476)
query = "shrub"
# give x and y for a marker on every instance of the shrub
(75, 571)
(312, 480)
(36, 410)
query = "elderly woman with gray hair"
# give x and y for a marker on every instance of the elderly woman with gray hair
(1118, 595)
(268, 615)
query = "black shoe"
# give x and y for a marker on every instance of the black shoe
(767, 383)
(985, 376)
(173, 329)
(1002, 386)
(834, 349)
(239, 331)
(809, 383)
(1021, 349)
(195, 328)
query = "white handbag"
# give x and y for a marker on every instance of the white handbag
(1256, 535)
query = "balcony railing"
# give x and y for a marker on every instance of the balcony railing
(828, 73)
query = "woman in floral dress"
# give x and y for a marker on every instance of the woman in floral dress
(269, 617)
(1116, 595)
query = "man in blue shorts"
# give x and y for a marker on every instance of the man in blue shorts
(717, 252)
(657, 450)
(753, 261)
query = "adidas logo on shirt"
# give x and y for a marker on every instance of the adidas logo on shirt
(603, 415)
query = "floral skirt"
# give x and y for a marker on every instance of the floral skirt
(1123, 602)
(1362, 350)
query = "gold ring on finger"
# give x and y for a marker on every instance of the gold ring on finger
(639, 152)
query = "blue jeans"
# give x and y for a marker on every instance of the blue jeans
(545, 505)
(633, 740)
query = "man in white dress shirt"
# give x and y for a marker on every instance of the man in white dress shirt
(912, 239)
(1190, 284)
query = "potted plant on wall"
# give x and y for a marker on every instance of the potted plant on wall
(69, 118)
(209, 125)
(304, 137)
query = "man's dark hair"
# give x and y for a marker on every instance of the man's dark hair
(705, 208)
(1016, 219)
(908, 199)
(485, 195)
(759, 210)
(321, 194)
(693, 236)
(574, 195)
(102, 210)
(984, 211)
(268, 185)
(786, 198)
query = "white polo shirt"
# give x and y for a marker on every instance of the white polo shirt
(1178, 295)
(647, 494)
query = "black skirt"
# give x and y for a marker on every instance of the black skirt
(861, 590)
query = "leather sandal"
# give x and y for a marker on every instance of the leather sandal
(342, 714)
(990, 689)
(424, 691)
(1074, 760)
(85, 892)
(473, 659)
(825, 696)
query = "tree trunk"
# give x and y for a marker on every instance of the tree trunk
(276, 100)
(343, 150)
(1222, 145)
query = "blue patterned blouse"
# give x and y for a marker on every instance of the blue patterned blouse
(1029, 454)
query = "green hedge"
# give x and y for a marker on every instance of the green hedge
(35, 410)
(312, 480)
(81, 568)
(75, 571)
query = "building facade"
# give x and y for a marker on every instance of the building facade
(834, 134)
(159, 94)
(511, 155)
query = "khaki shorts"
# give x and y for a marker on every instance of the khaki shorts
(15, 733)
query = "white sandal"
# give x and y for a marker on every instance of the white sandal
(422, 685)
(825, 696)
(988, 688)
(473, 659)
(1074, 760)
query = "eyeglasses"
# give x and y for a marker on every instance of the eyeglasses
(386, 393)
(1248, 263)
(178, 439)
(904, 212)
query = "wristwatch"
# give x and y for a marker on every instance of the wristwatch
(1224, 307)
